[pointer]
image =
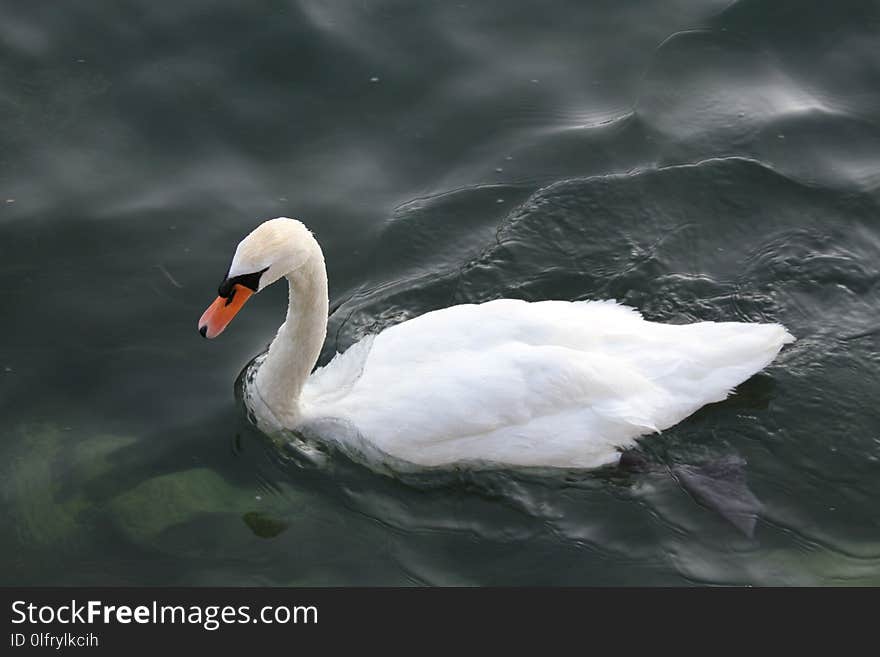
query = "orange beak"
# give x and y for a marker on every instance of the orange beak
(220, 313)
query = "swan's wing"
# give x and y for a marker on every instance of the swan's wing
(336, 378)
(543, 384)
(467, 327)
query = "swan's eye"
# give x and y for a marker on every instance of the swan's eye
(250, 281)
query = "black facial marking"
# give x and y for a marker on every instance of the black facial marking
(250, 281)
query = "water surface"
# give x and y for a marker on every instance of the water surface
(696, 159)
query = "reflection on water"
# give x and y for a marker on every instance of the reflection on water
(698, 160)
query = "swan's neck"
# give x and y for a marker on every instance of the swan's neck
(295, 349)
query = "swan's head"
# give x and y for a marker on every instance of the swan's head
(273, 249)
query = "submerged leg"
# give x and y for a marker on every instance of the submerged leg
(721, 486)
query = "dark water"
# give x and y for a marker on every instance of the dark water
(696, 159)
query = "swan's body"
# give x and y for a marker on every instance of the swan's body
(546, 384)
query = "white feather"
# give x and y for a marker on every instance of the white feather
(552, 383)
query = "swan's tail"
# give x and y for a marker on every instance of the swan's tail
(736, 352)
(712, 358)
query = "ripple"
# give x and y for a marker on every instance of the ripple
(712, 82)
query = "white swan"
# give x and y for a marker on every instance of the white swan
(545, 384)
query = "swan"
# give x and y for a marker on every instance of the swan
(505, 383)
